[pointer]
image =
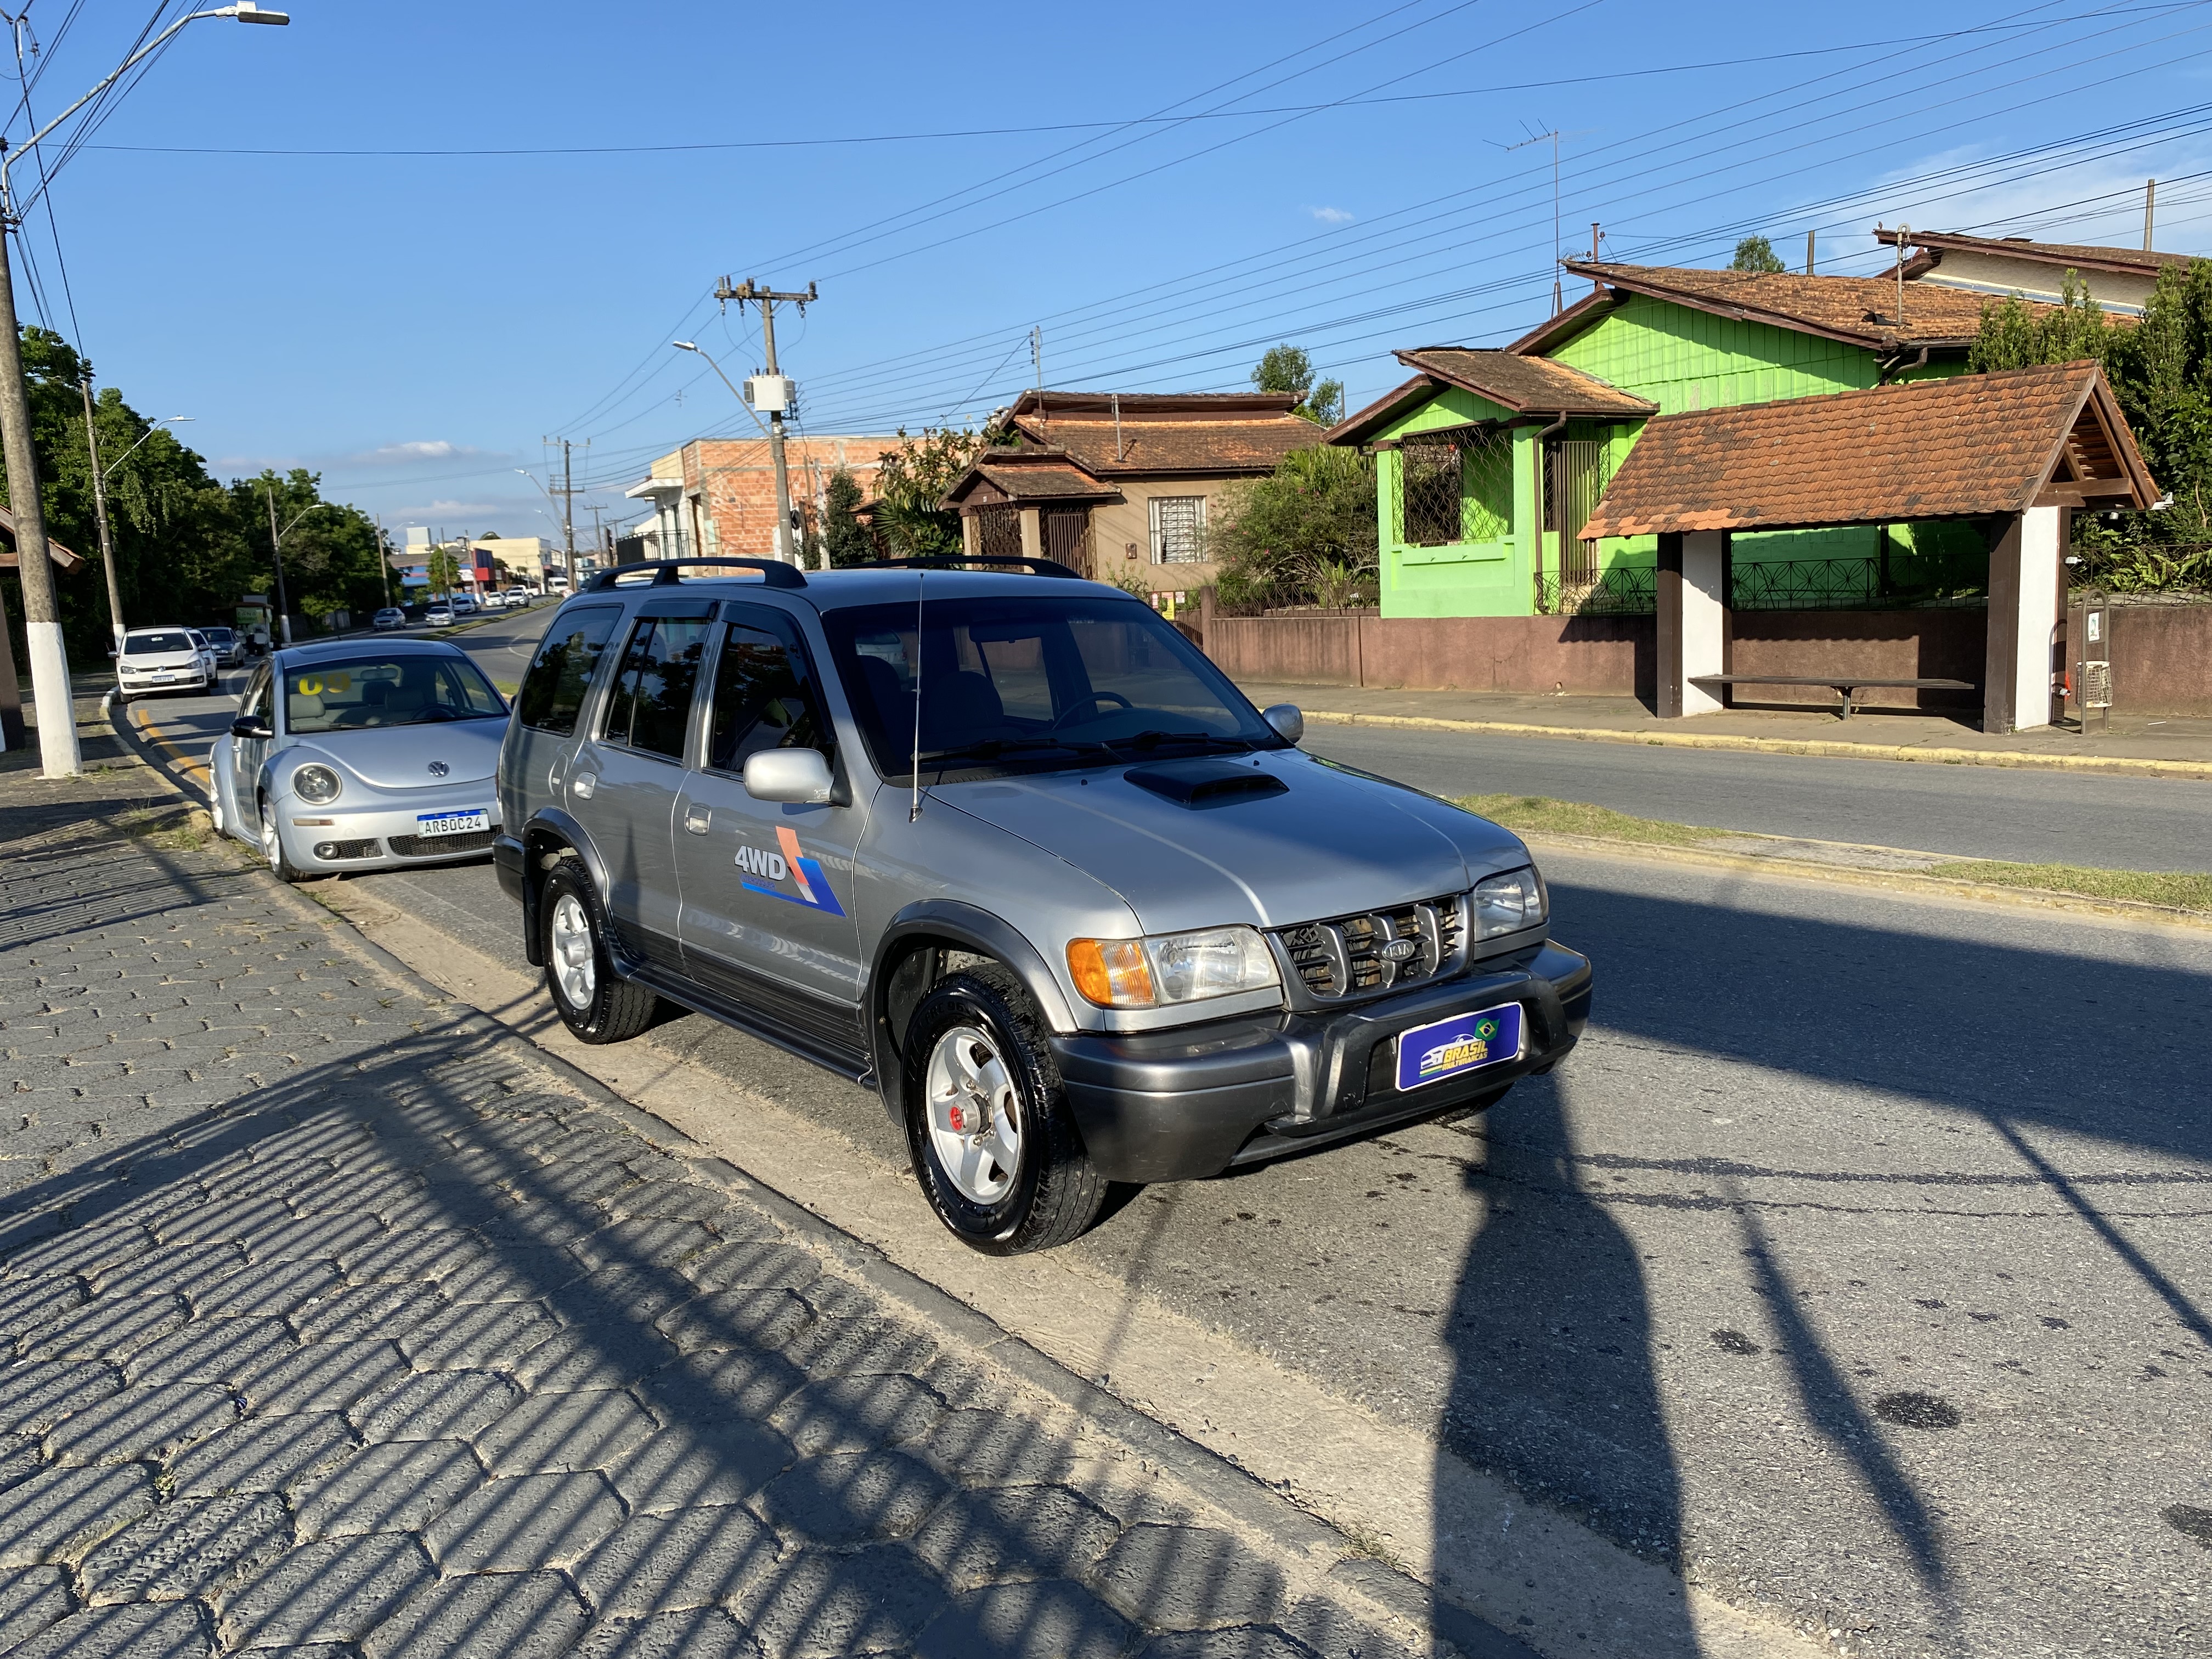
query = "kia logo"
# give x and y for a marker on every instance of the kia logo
(1399, 950)
(438, 768)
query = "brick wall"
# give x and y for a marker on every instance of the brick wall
(729, 485)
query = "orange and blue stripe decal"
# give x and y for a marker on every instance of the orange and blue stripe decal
(814, 890)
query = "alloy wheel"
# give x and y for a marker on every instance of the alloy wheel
(975, 1115)
(576, 959)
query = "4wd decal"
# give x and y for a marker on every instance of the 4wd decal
(805, 872)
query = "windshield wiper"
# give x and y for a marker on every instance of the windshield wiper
(1151, 740)
(989, 748)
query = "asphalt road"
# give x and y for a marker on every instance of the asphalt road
(1857, 1262)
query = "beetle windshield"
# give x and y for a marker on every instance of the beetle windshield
(394, 691)
(1032, 681)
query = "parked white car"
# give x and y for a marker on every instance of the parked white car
(163, 659)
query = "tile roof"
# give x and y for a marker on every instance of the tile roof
(1928, 449)
(1171, 442)
(1522, 384)
(60, 556)
(1028, 475)
(2079, 256)
(1859, 310)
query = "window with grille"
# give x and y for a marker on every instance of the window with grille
(999, 532)
(1178, 529)
(1430, 488)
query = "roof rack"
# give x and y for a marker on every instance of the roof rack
(1042, 567)
(773, 573)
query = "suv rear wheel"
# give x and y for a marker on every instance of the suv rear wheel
(996, 1152)
(592, 1002)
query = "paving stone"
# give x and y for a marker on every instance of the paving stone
(1050, 1618)
(752, 1265)
(277, 1288)
(187, 1547)
(716, 1463)
(379, 1194)
(1187, 1579)
(643, 1245)
(985, 1448)
(20, 1457)
(559, 1433)
(154, 1421)
(1325, 1630)
(531, 1521)
(1240, 1641)
(409, 1255)
(819, 1605)
(1011, 1533)
(850, 1497)
(264, 1454)
(106, 1328)
(304, 1238)
(27, 1304)
(667, 1200)
(60, 1512)
(268, 1174)
(511, 1272)
(857, 1413)
(212, 1350)
(337, 1590)
(319, 1376)
(434, 1405)
(186, 1269)
(594, 1356)
(32, 1598)
(694, 1633)
(368, 1310)
(527, 1615)
(852, 1336)
(735, 1319)
(400, 1485)
(142, 1630)
(185, 1218)
(623, 1295)
(484, 1333)
(657, 1563)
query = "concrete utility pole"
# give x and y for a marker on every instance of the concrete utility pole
(568, 515)
(772, 393)
(276, 555)
(2150, 207)
(100, 508)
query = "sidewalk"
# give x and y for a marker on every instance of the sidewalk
(333, 1316)
(2146, 743)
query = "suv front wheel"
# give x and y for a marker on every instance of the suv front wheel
(594, 1004)
(996, 1149)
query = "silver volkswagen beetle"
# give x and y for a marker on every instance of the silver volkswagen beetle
(361, 755)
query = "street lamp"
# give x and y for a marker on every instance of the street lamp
(276, 553)
(167, 420)
(99, 478)
(784, 548)
(50, 675)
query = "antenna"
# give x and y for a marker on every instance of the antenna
(1904, 234)
(914, 804)
(1558, 300)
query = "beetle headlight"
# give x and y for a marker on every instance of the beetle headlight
(316, 784)
(1507, 904)
(1170, 968)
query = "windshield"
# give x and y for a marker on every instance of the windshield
(220, 635)
(152, 645)
(406, 690)
(1033, 682)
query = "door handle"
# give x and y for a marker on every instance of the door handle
(695, 819)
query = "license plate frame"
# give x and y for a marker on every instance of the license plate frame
(467, 821)
(1459, 1043)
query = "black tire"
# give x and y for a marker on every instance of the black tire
(272, 848)
(1055, 1193)
(599, 1007)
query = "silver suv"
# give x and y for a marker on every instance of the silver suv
(1008, 848)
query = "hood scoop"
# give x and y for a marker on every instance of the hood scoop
(1198, 784)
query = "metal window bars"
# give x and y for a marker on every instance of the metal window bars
(1806, 584)
(1622, 591)
(999, 532)
(1178, 529)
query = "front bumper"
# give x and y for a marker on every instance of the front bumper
(1176, 1105)
(382, 837)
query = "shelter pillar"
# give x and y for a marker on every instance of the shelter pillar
(1692, 619)
(971, 538)
(2026, 600)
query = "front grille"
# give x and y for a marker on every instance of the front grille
(1346, 958)
(428, 847)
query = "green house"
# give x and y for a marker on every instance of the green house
(1489, 462)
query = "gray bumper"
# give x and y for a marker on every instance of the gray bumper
(1175, 1105)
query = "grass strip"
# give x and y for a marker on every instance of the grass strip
(1573, 818)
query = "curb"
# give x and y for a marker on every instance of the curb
(1813, 746)
(1228, 1487)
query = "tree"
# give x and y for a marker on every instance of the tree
(1287, 368)
(844, 537)
(1756, 254)
(911, 481)
(1304, 534)
(443, 570)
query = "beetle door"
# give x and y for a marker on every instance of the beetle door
(246, 754)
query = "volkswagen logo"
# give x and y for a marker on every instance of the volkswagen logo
(1400, 949)
(438, 768)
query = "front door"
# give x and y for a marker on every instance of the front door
(246, 755)
(623, 787)
(768, 886)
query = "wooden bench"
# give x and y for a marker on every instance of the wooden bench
(1844, 686)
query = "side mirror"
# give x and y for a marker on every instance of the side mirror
(1290, 725)
(799, 776)
(250, 728)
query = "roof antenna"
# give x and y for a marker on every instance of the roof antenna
(1904, 231)
(913, 805)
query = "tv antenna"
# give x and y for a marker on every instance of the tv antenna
(1552, 137)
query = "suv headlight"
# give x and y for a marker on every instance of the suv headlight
(316, 784)
(1171, 968)
(1507, 904)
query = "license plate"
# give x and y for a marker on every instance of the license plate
(452, 823)
(1465, 1042)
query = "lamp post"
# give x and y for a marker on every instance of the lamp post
(785, 548)
(99, 478)
(276, 553)
(50, 674)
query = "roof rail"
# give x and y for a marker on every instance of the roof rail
(773, 572)
(1042, 567)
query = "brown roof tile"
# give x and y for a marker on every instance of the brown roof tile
(1930, 449)
(2079, 256)
(1171, 442)
(1026, 475)
(1520, 384)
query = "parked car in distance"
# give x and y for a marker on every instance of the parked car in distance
(463, 604)
(361, 755)
(391, 617)
(518, 596)
(163, 659)
(229, 650)
(491, 598)
(1011, 851)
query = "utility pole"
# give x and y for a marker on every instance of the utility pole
(276, 555)
(771, 392)
(42, 623)
(568, 513)
(99, 509)
(2150, 206)
(383, 564)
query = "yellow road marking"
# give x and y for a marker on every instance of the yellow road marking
(198, 770)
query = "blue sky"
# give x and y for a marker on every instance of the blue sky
(1164, 188)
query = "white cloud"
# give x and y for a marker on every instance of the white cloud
(1330, 216)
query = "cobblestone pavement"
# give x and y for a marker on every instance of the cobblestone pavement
(331, 1323)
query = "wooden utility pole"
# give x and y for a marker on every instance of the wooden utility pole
(99, 509)
(772, 393)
